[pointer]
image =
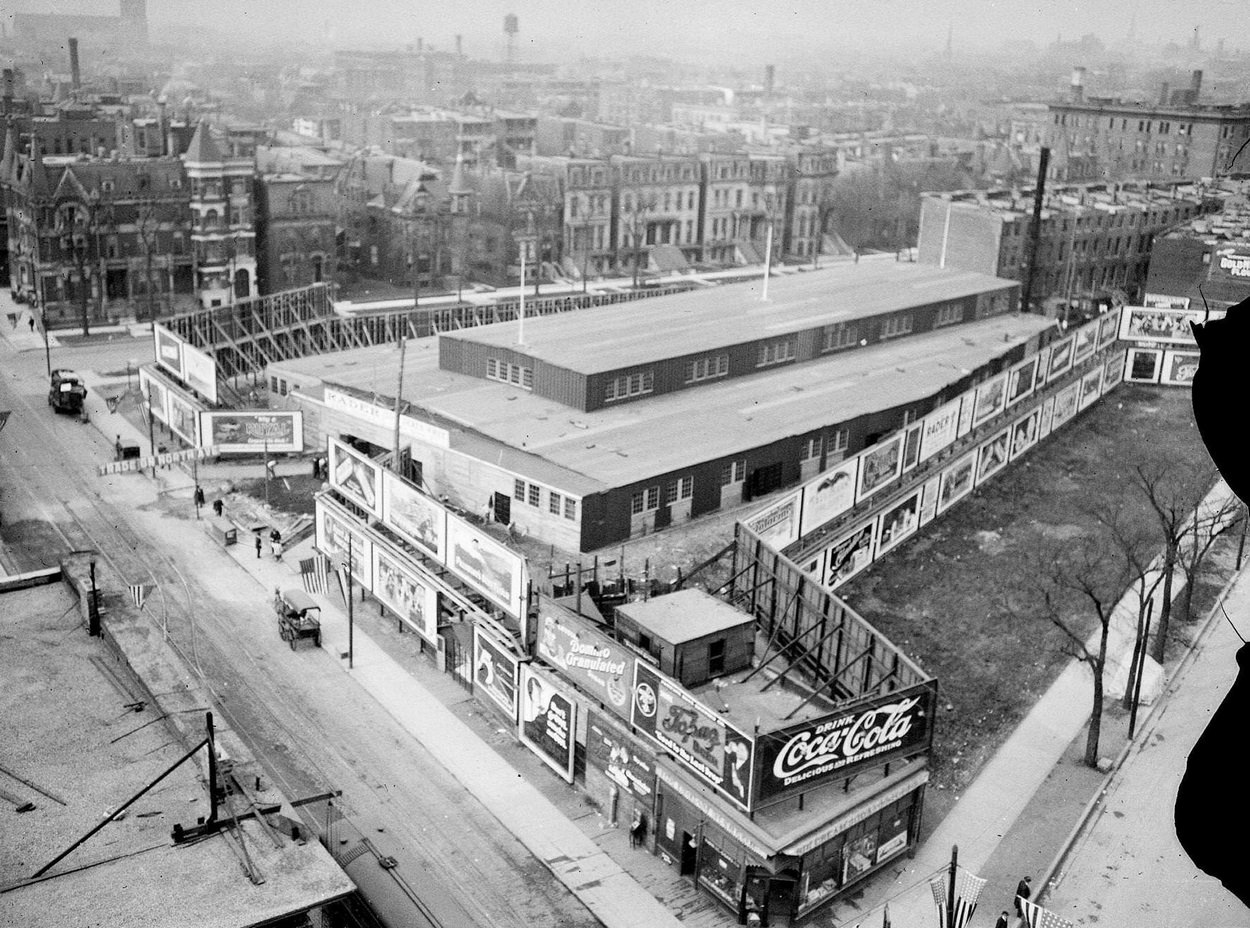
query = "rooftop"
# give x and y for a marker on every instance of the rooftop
(1072, 200)
(68, 731)
(685, 615)
(584, 453)
(606, 338)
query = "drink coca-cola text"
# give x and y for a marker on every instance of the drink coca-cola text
(843, 740)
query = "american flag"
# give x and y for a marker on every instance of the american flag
(967, 891)
(1037, 917)
(138, 593)
(312, 571)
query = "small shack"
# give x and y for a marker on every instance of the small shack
(694, 636)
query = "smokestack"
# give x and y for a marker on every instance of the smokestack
(770, 76)
(1078, 84)
(1163, 94)
(1195, 84)
(162, 126)
(459, 46)
(9, 81)
(73, 63)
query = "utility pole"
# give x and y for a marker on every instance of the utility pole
(266, 471)
(351, 617)
(950, 889)
(1035, 230)
(768, 262)
(399, 393)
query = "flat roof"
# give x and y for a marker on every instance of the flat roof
(610, 337)
(685, 615)
(634, 441)
(68, 731)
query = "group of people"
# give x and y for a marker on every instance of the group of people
(1024, 889)
(275, 543)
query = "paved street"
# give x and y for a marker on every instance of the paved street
(1129, 868)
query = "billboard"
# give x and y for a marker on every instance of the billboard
(1021, 379)
(415, 517)
(495, 571)
(693, 734)
(850, 554)
(1065, 405)
(1113, 371)
(250, 432)
(1179, 367)
(593, 661)
(401, 589)
(1086, 340)
(939, 429)
(879, 465)
(1024, 432)
(334, 528)
(911, 447)
(619, 760)
(800, 757)
(1046, 418)
(898, 522)
(1143, 365)
(828, 495)
(957, 481)
(1060, 358)
(991, 398)
(548, 721)
(1091, 387)
(1108, 328)
(992, 456)
(199, 372)
(356, 477)
(156, 394)
(168, 349)
(495, 671)
(778, 525)
(1155, 324)
(184, 418)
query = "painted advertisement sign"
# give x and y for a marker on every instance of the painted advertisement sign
(850, 554)
(696, 736)
(800, 757)
(168, 349)
(495, 671)
(1021, 379)
(1060, 358)
(402, 591)
(252, 432)
(1108, 328)
(939, 429)
(620, 762)
(1091, 387)
(1165, 301)
(1086, 340)
(1046, 417)
(1232, 263)
(155, 394)
(356, 477)
(548, 721)
(334, 528)
(829, 495)
(495, 571)
(1113, 371)
(1024, 432)
(414, 516)
(778, 525)
(184, 418)
(592, 660)
(879, 465)
(1065, 405)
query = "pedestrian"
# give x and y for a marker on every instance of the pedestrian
(277, 550)
(31, 320)
(117, 448)
(199, 497)
(271, 467)
(258, 545)
(316, 468)
(1003, 920)
(218, 507)
(1023, 891)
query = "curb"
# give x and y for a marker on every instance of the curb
(1087, 814)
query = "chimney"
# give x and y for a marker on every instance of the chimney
(8, 86)
(162, 126)
(1078, 84)
(74, 70)
(1163, 94)
(770, 76)
(459, 46)
(1195, 85)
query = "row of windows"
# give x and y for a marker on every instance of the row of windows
(627, 385)
(897, 324)
(532, 495)
(777, 352)
(707, 368)
(836, 442)
(506, 372)
(641, 501)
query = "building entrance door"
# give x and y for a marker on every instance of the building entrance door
(688, 850)
(503, 508)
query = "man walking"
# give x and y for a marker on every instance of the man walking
(1003, 920)
(259, 545)
(1023, 891)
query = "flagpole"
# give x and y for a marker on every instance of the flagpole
(350, 611)
(950, 890)
(520, 336)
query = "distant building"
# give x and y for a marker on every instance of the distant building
(295, 220)
(130, 26)
(1095, 239)
(223, 232)
(1109, 139)
(1206, 261)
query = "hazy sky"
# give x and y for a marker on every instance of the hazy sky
(695, 28)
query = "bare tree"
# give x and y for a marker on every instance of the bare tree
(1064, 583)
(1173, 492)
(147, 226)
(1210, 525)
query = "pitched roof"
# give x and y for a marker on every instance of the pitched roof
(203, 150)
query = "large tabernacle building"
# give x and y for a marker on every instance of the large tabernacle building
(588, 428)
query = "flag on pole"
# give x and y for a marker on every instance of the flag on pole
(138, 593)
(312, 572)
(967, 891)
(1037, 917)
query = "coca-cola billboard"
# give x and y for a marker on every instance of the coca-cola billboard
(798, 758)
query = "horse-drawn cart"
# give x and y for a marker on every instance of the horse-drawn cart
(298, 616)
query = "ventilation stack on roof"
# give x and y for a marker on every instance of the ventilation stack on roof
(73, 64)
(1195, 84)
(1078, 84)
(1163, 94)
